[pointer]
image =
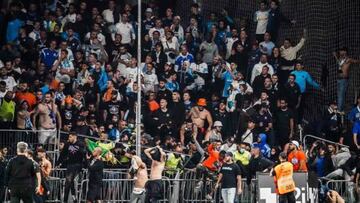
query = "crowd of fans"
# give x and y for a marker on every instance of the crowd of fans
(209, 87)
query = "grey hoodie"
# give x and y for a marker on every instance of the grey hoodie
(341, 157)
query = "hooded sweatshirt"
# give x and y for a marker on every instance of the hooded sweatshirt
(341, 157)
(264, 147)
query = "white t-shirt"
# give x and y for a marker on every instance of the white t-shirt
(161, 30)
(258, 68)
(130, 73)
(168, 45)
(126, 30)
(100, 37)
(10, 83)
(229, 43)
(122, 67)
(261, 17)
(108, 16)
(150, 81)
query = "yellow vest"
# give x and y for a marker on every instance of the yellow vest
(284, 178)
(172, 163)
(7, 110)
(242, 157)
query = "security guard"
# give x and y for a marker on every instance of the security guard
(20, 173)
(283, 176)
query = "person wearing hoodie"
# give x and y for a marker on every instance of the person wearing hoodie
(346, 165)
(339, 159)
(263, 146)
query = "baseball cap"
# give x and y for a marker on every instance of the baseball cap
(218, 124)
(201, 102)
(149, 10)
(296, 143)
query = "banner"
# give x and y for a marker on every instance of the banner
(266, 188)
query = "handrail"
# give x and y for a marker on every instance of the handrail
(322, 139)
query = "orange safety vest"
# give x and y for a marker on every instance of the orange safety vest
(284, 178)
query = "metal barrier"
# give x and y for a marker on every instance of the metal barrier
(113, 190)
(345, 188)
(319, 138)
(10, 137)
(55, 189)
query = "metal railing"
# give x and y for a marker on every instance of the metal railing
(321, 139)
(174, 190)
(54, 193)
(345, 188)
(10, 137)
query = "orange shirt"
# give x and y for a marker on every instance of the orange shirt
(27, 96)
(153, 106)
(295, 157)
(283, 178)
(54, 85)
(107, 95)
(212, 159)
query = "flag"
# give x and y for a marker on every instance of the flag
(106, 154)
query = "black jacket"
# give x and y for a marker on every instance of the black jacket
(258, 164)
(20, 172)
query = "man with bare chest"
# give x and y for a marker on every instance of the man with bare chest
(199, 115)
(139, 171)
(344, 62)
(154, 186)
(49, 118)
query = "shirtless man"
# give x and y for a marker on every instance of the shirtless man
(49, 116)
(199, 115)
(139, 171)
(154, 187)
(344, 62)
(45, 169)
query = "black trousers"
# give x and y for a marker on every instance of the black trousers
(21, 193)
(287, 198)
(71, 172)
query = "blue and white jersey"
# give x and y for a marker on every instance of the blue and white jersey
(179, 61)
(48, 57)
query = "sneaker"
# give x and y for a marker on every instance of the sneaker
(198, 186)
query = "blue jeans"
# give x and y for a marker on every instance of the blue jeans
(342, 85)
(228, 195)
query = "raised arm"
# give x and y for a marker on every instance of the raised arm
(312, 82)
(147, 153)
